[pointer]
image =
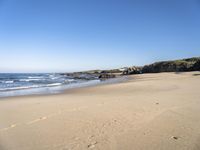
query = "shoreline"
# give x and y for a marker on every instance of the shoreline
(66, 90)
(149, 111)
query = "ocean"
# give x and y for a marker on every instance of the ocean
(16, 84)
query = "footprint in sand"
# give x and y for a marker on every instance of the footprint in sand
(10, 127)
(13, 125)
(43, 118)
(36, 120)
(92, 145)
(175, 137)
(77, 109)
(91, 137)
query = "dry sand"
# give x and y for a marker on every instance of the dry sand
(149, 112)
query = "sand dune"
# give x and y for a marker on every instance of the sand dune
(148, 112)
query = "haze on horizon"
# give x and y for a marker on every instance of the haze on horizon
(73, 35)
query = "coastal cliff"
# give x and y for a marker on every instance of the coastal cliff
(189, 64)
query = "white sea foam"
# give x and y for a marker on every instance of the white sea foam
(19, 88)
(29, 87)
(35, 77)
(21, 84)
(53, 78)
(7, 82)
(70, 80)
(28, 80)
(54, 84)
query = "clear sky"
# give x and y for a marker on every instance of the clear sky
(72, 35)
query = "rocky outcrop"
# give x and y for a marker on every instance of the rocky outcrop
(111, 71)
(166, 67)
(132, 70)
(196, 66)
(81, 75)
(172, 66)
(190, 64)
(106, 76)
(89, 76)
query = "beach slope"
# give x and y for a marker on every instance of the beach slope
(148, 112)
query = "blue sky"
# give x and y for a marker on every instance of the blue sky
(72, 35)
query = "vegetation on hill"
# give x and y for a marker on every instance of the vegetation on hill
(190, 64)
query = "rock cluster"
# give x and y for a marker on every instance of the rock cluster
(196, 66)
(190, 64)
(106, 76)
(89, 76)
(132, 70)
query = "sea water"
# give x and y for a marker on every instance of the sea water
(16, 84)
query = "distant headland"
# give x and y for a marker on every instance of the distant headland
(181, 65)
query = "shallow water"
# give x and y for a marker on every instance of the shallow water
(14, 84)
(31, 84)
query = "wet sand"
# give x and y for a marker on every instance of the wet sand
(149, 112)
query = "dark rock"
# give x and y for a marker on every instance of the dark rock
(132, 70)
(106, 76)
(81, 75)
(172, 66)
(111, 71)
(196, 66)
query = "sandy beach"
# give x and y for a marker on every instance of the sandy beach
(148, 112)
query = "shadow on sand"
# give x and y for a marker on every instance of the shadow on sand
(196, 74)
